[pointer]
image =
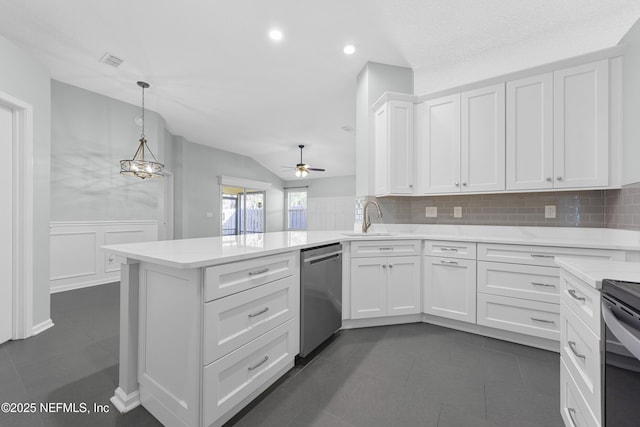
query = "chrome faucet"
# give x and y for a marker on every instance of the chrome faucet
(366, 223)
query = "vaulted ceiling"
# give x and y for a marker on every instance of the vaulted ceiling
(219, 80)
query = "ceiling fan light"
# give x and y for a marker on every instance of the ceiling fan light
(304, 173)
(298, 173)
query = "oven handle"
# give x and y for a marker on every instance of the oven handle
(625, 334)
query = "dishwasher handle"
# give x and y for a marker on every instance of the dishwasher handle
(323, 257)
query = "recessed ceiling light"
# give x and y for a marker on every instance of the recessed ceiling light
(275, 35)
(349, 49)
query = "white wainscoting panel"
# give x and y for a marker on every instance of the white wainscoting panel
(330, 213)
(76, 258)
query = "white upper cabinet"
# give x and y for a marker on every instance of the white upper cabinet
(394, 140)
(483, 139)
(530, 133)
(438, 145)
(581, 126)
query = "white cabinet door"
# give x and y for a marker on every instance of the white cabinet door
(381, 150)
(483, 139)
(438, 144)
(394, 157)
(368, 287)
(403, 285)
(450, 288)
(530, 133)
(581, 126)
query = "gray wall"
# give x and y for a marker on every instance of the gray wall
(197, 168)
(373, 80)
(339, 186)
(631, 124)
(90, 134)
(24, 78)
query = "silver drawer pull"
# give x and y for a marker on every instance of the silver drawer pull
(264, 310)
(535, 319)
(384, 265)
(449, 249)
(572, 346)
(260, 363)
(255, 273)
(385, 249)
(542, 256)
(449, 262)
(546, 285)
(572, 411)
(572, 292)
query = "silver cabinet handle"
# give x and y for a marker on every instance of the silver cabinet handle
(546, 285)
(535, 319)
(559, 178)
(385, 249)
(542, 256)
(572, 346)
(464, 184)
(449, 249)
(112, 257)
(390, 265)
(255, 273)
(457, 184)
(410, 185)
(549, 179)
(384, 266)
(572, 411)
(258, 313)
(449, 262)
(572, 292)
(260, 363)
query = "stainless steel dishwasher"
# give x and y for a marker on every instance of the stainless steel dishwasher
(320, 295)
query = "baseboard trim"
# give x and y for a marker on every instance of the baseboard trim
(380, 321)
(125, 402)
(41, 327)
(65, 288)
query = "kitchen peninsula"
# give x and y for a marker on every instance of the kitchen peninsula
(208, 324)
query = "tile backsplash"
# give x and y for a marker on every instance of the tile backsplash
(593, 208)
(622, 207)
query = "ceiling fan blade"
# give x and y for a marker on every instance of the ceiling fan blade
(316, 169)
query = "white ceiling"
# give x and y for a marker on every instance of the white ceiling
(219, 80)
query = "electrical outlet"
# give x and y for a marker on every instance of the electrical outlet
(457, 212)
(431, 212)
(209, 214)
(550, 211)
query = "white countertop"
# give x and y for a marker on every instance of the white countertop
(593, 272)
(194, 253)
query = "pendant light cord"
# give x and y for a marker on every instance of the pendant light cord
(143, 137)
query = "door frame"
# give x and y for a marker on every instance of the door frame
(22, 304)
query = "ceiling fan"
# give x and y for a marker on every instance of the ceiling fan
(303, 169)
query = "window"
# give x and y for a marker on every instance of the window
(242, 205)
(242, 211)
(297, 210)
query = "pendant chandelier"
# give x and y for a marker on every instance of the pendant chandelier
(143, 164)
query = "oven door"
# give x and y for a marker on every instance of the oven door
(621, 364)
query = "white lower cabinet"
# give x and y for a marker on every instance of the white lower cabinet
(385, 286)
(540, 319)
(231, 379)
(450, 288)
(573, 407)
(205, 351)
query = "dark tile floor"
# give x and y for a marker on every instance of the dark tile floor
(405, 375)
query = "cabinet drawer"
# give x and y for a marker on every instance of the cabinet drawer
(574, 409)
(385, 248)
(582, 299)
(235, 320)
(450, 249)
(227, 279)
(539, 319)
(234, 377)
(540, 255)
(580, 350)
(519, 281)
